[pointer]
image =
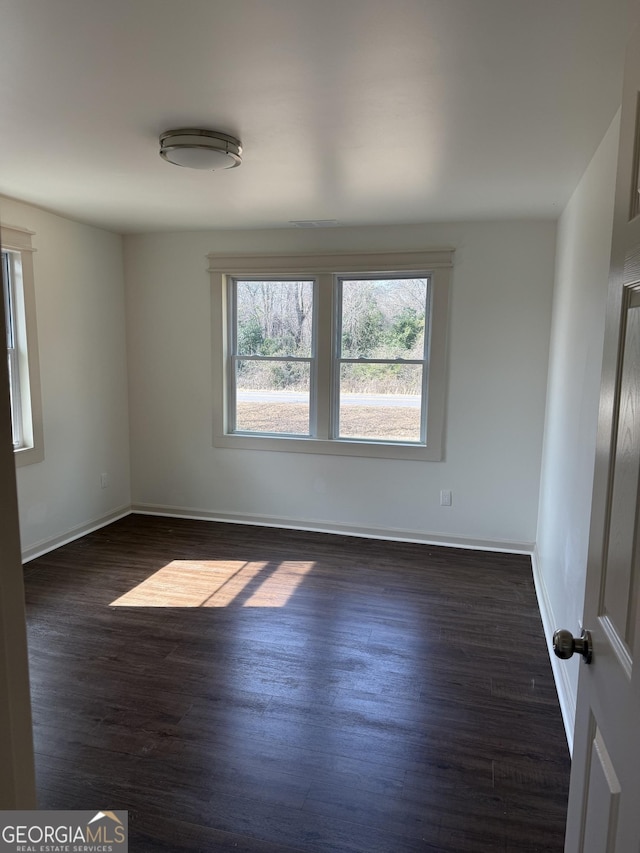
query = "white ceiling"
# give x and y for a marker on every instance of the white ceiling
(362, 111)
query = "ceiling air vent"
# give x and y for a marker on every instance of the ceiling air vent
(314, 223)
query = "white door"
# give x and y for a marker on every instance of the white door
(604, 798)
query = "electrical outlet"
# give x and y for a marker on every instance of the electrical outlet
(104, 481)
(445, 497)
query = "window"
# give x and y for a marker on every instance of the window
(272, 366)
(11, 320)
(340, 354)
(381, 365)
(22, 351)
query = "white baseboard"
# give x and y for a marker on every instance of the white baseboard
(564, 690)
(46, 545)
(389, 533)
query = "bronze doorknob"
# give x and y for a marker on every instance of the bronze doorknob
(565, 644)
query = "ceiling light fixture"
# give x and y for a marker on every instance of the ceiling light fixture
(200, 149)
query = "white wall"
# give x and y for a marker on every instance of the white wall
(79, 287)
(498, 354)
(582, 265)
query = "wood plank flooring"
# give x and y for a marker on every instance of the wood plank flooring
(269, 691)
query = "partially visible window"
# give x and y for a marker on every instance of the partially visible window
(22, 346)
(12, 348)
(337, 354)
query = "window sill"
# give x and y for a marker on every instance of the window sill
(334, 447)
(28, 456)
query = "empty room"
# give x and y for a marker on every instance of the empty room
(320, 463)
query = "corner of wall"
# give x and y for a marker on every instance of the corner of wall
(566, 695)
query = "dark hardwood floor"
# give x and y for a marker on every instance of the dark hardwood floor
(263, 691)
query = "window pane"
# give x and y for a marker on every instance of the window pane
(383, 318)
(272, 396)
(274, 318)
(380, 401)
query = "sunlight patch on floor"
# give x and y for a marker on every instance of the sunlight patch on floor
(218, 583)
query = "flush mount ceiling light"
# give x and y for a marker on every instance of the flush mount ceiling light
(200, 149)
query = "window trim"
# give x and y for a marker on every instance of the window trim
(17, 243)
(436, 264)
